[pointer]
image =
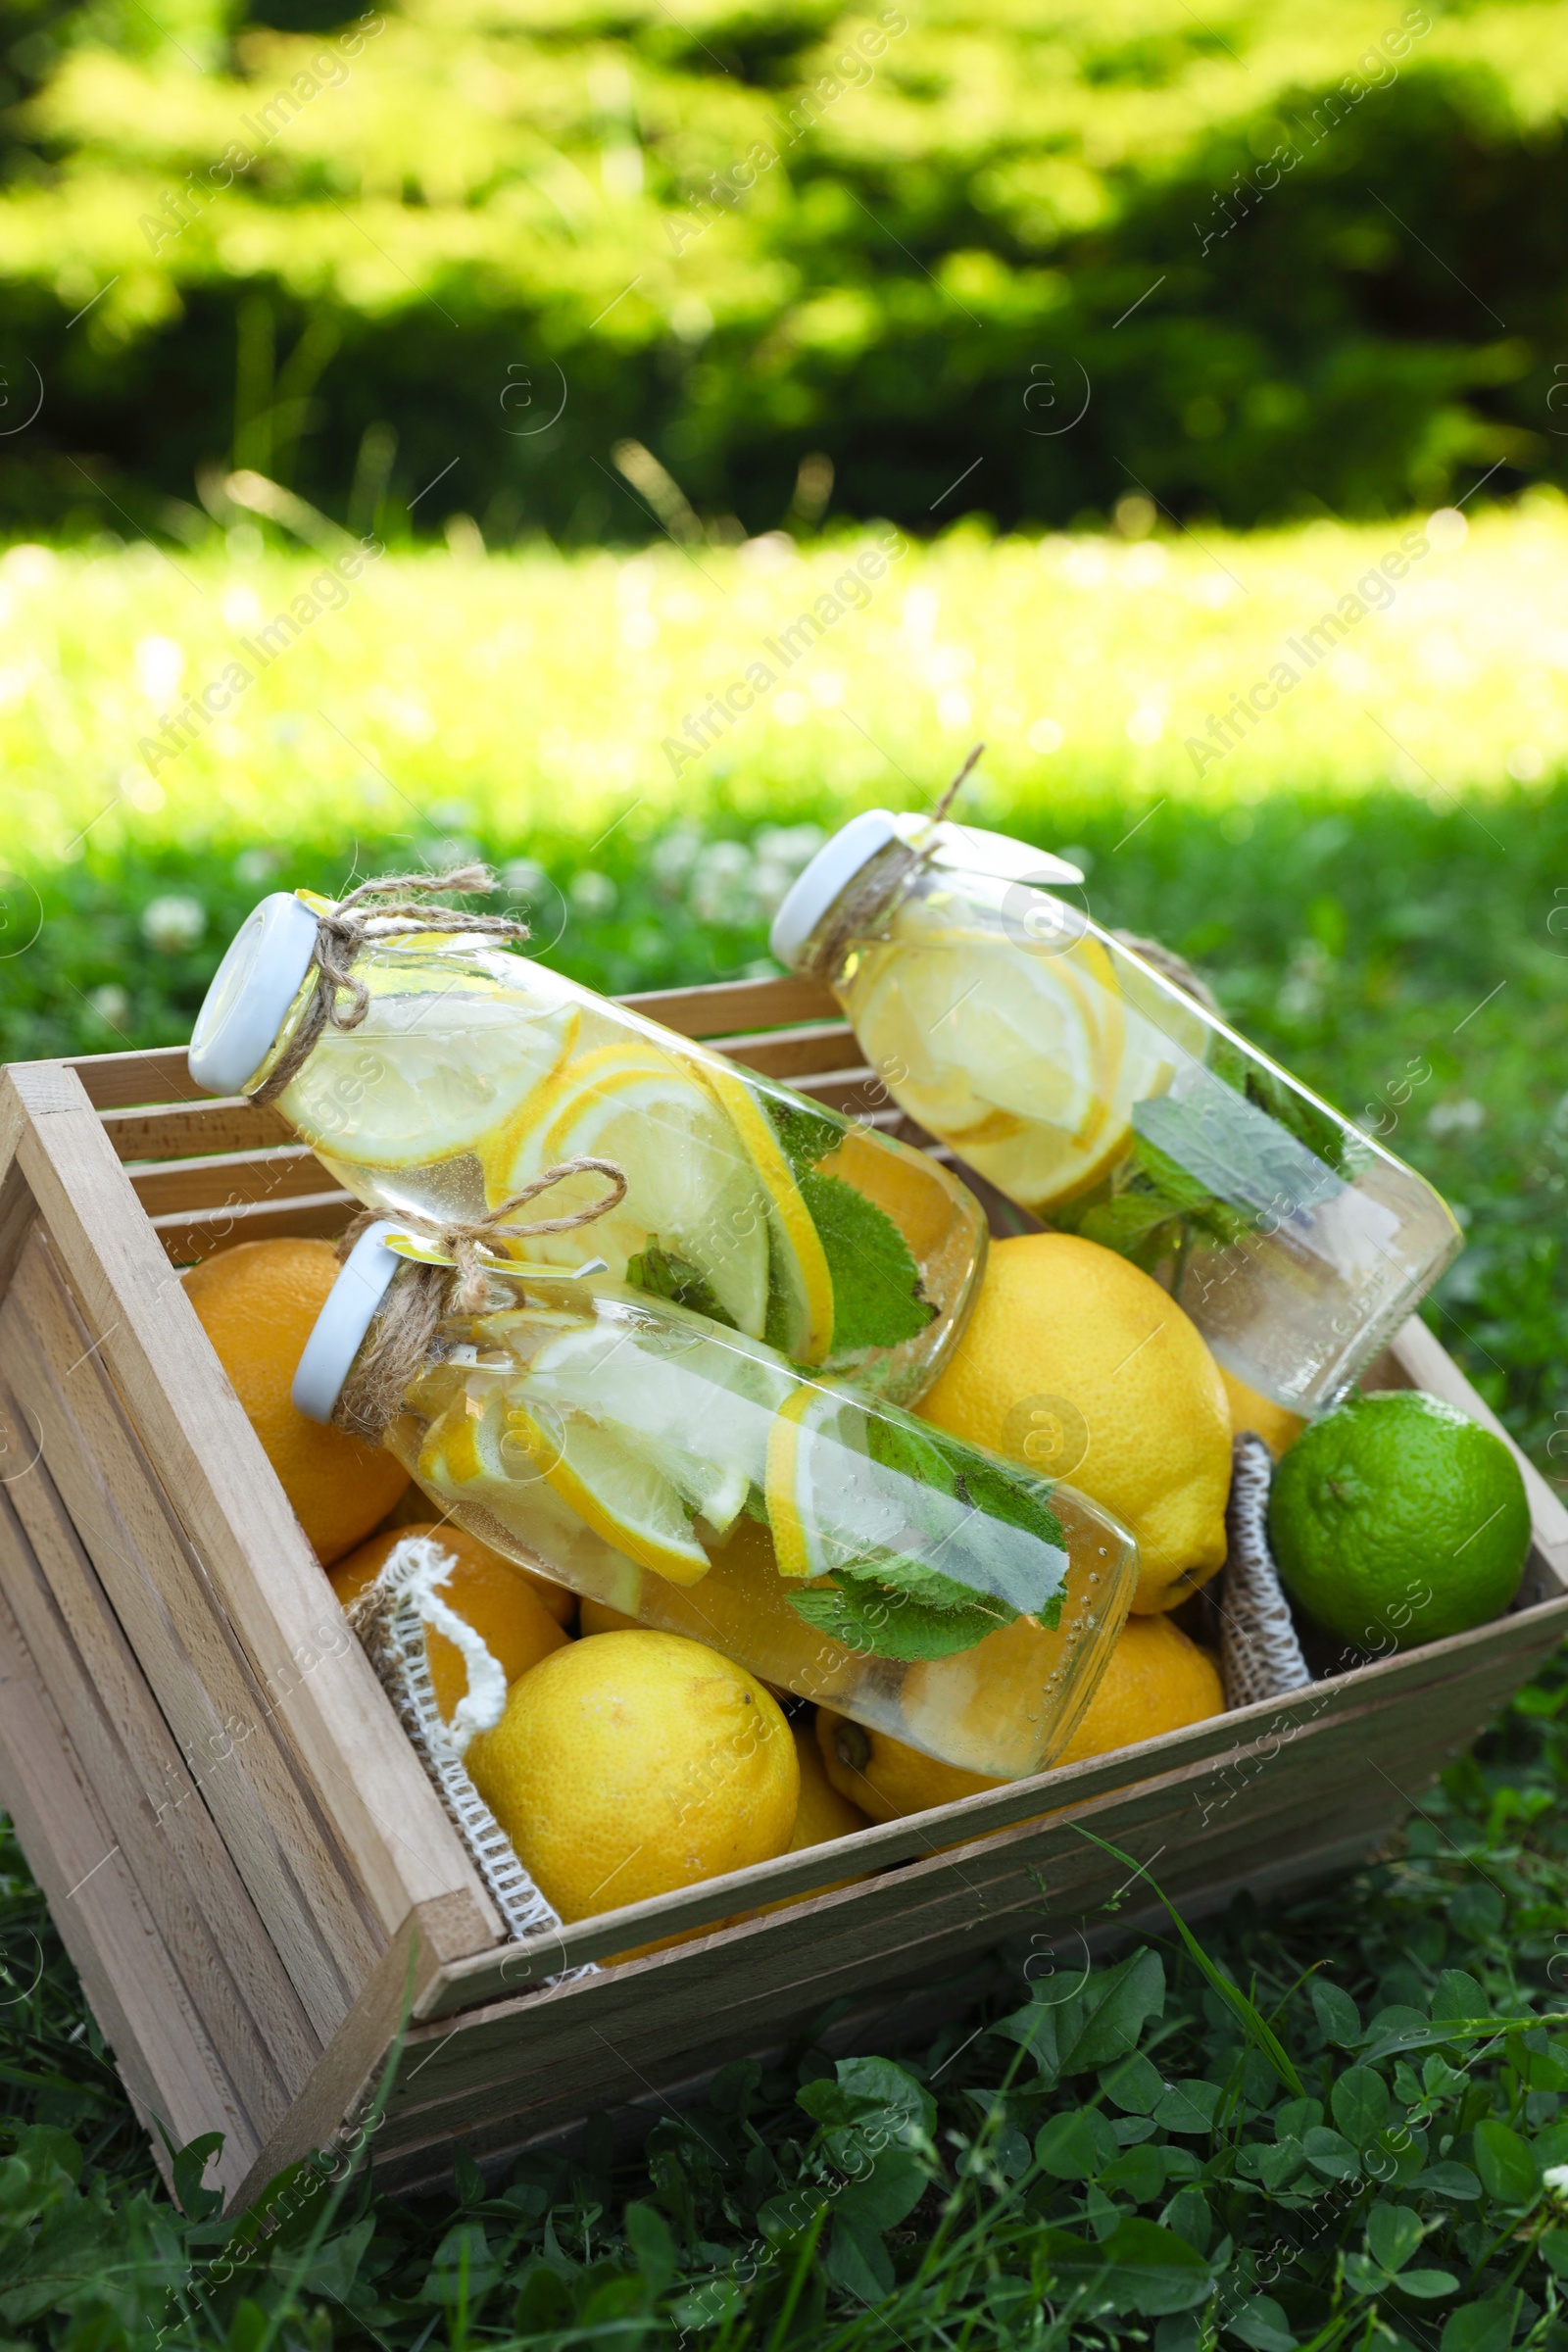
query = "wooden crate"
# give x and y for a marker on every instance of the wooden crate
(269, 1907)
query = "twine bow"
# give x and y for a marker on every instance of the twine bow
(422, 1295)
(343, 930)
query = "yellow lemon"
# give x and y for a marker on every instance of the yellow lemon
(501, 1603)
(1080, 1365)
(1155, 1680)
(258, 1303)
(825, 1811)
(411, 1515)
(634, 1764)
(883, 1776)
(1275, 1424)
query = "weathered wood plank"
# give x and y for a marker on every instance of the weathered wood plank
(668, 2003)
(318, 1217)
(180, 1131)
(148, 1793)
(219, 1710)
(149, 1074)
(165, 2058)
(1447, 1690)
(737, 1006)
(234, 1180)
(394, 1846)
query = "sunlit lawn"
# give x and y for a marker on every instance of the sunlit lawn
(1376, 877)
(433, 694)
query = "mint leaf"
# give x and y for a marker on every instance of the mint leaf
(804, 1135)
(665, 1275)
(879, 1619)
(960, 1571)
(877, 1283)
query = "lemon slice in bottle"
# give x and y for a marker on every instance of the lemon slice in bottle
(826, 1503)
(697, 1408)
(1029, 1066)
(691, 1188)
(615, 1490)
(427, 1075)
(800, 1262)
(476, 1452)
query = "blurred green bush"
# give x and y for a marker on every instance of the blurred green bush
(1300, 256)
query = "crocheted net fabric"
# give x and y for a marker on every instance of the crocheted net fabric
(390, 1618)
(1260, 1656)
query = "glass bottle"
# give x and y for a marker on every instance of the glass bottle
(1096, 1092)
(692, 1477)
(474, 1069)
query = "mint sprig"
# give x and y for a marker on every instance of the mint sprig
(957, 1513)
(664, 1274)
(877, 1298)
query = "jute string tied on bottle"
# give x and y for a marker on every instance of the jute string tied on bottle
(457, 1279)
(396, 906)
(888, 873)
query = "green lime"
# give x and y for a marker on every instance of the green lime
(1395, 1520)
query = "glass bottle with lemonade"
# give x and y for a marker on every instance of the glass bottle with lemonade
(1094, 1092)
(688, 1475)
(473, 1069)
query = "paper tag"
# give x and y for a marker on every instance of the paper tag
(425, 1254)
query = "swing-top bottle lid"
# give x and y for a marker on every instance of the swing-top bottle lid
(339, 1330)
(851, 850)
(248, 1001)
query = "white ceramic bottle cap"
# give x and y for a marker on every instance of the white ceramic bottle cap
(828, 875)
(345, 1318)
(949, 846)
(251, 992)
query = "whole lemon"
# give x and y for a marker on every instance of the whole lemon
(411, 1514)
(258, 1303)
(1275, 1424)
(633, 1764)
(885, 1776)
(1154, 1681)
(1081, 1366)
(482, 1588)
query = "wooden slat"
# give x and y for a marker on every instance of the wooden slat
(670, 2003)
(828, 1049)
(179, 1131)
(155, 1074)
(891, 2012)
(351, 2070)
(152, 1803)
(319, 1216)
(735, 1006)
(395, 1843)
(165, 2057)
(204, 1687)
(229, 1180)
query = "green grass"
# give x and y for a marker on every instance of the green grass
(1361, 2095)
(1396, 941)
(1376, 877)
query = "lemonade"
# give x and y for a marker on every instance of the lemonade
(687, 1476)
(1099, 1095)
(473, 1071)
